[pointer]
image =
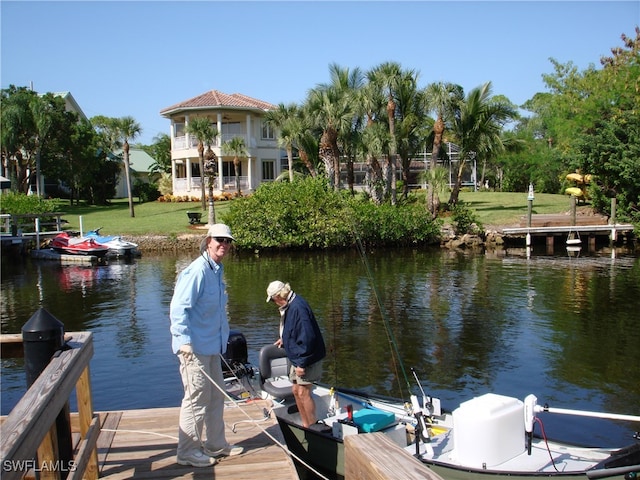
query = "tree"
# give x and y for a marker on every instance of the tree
(441, 98)
(347, 83)
(160, 151)
(29, 122)
(389, 76)
(210, 171)
(128, 129)
(203, 130)
(283, 119)
(331, 109)
(237, 148)
(477, 126)
(374, 141)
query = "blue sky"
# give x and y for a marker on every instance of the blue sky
(122, 58)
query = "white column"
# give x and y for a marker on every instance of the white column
(187, 137)
(219, 128)
(248, 136)
(188, 167)
(173, 175)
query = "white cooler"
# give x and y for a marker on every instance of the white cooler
(488, 430)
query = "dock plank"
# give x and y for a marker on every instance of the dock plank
(143, 446)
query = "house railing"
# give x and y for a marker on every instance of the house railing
(228, 184)
(180, 142)
(31, 426)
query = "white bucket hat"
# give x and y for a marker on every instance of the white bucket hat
(219, 230)
(273, 288)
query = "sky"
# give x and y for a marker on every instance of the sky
(135, 58)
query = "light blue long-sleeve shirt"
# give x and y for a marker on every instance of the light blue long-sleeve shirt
(198, 308)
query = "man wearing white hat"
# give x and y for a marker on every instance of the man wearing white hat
(199, 335)
(302, 340)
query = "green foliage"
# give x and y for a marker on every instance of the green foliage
(147, 192)
(465, 220)
(590, 119)
(308, 214)
(20, 204)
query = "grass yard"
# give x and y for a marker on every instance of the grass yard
(161, 218)
(151, 218)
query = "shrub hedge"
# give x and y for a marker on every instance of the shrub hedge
(309, 214)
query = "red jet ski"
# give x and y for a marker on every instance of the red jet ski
(66, 243)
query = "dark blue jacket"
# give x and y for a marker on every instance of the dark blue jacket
(301, 336)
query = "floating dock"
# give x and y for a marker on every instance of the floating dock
(55, 256)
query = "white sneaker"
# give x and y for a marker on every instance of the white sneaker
(228, 451)
(196, 459)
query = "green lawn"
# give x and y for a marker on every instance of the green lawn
(161, 218)
(151, 218)
(505, 208)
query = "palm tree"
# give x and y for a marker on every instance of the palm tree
(388, 77)
(282, 119)
(210, 170)
(410, 124)
(330, 112)
(478, 125)
(332, 109)
(442, 98)
(438, 181)
(128, 129)
(202, 129)
(237, 148)
(348, 83)
(374, 140)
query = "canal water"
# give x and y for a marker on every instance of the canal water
(564, 327)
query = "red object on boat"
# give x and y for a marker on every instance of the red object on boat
(78, 245)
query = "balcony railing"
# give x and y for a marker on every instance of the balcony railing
(180, 143)
(229, 184)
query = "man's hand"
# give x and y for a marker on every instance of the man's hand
(186, 351)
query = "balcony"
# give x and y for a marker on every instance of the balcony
(229, 185)
(180, 143)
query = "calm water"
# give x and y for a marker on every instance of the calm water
(564, 328)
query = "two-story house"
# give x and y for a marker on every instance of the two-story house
(233, 115)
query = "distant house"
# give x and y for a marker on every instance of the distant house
(70, 104)
(233, 115)
(139, 167)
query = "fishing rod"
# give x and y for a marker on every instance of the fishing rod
(385, 319)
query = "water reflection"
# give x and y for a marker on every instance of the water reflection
(564, 328)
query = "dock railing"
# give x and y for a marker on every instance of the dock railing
(29, 431)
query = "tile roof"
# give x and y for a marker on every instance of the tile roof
(214, 98)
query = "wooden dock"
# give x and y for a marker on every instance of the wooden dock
(137, 444)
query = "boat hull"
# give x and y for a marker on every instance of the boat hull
(323, 451)
(64, 243)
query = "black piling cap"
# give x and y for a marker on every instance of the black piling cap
(43, 327)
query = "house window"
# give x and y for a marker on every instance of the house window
(268, 170)
(228, 170)
(268, 132)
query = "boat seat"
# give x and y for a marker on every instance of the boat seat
(274, 372)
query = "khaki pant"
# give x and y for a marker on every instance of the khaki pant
(202, 408)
